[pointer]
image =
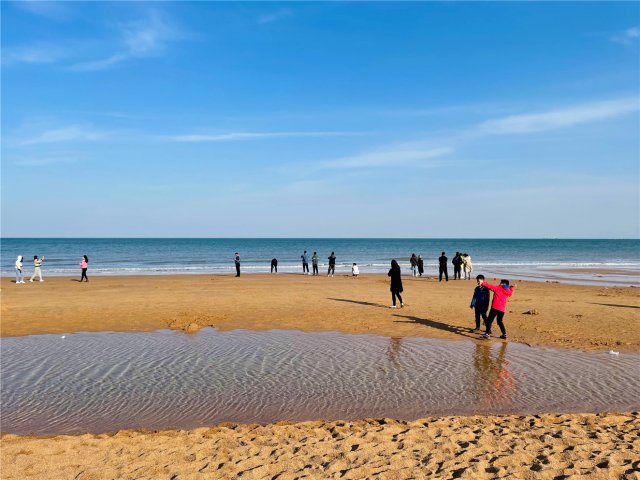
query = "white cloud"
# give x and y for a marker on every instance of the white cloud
(559, 118)
(36, 54)
(49, 9)
(142, 38)
(272, 17)
(44, 161)
(390, 157)
(235, 136)
(628, 37)
(72, 133)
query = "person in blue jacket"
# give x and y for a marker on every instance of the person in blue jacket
(480, 302)
(305, 263)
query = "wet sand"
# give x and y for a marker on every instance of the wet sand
(560, 315)
(578, 446)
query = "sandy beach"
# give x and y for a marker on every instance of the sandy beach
(584, 446)
(548, 314)
(578, 446)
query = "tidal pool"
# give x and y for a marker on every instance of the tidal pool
(97, 382)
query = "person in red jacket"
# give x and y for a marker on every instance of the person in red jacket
(498, 306)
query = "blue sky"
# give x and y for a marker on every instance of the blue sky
(320, 119)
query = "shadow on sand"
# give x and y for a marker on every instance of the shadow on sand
(359, 302)
(614, 305)
(462, 331)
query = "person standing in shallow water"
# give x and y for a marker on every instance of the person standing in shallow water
(84, 264)
(396, 283)
(274, 265)
(332, 264)
(314, 263)
(236, 260)
(420, 265)
(442, 268)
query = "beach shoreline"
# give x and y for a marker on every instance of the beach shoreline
(541, 314)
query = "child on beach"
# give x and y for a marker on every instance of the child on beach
(396, 283)
(37, 262)
(355, 271)
(84, 264)
(501, 294)
(19, 272)
(480, 302)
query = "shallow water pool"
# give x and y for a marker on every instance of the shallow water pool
(96, 382)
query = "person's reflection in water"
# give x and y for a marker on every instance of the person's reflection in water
(393, 352)
(493, 383)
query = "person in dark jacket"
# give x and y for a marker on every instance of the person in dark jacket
(414, 264)
(420, 265)
(396, 283)
(236, 260)
(274, 265)
(332, 264)
(480, 302)
(442, 268)
(457, 266)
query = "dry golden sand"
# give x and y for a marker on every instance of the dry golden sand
(516, 447)
(585, 317)
(511, 447)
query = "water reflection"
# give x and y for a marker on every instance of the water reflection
(493, 382)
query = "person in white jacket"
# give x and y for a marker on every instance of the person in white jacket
(467, 266)
(19, 272)
(355, 271)
(37, 270)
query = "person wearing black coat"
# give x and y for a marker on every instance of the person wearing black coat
(442, 269)
(420, 265)
(457, 266)
(274, 265)
(480, 301)
(396, 283)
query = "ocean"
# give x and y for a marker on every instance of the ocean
(610, 262)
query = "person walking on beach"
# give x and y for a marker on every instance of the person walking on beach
(414, 264)
(501, 294)
(420, 265)
(314, 263)
(236, 260)
(480, 302)
(332, 264)
(396, 283)
(274, 265)
(19, 272)
(84, 264)
(355, 271)
(442, 267)
(467, 266)
(305, 263)
(37, 262)
(457, 266)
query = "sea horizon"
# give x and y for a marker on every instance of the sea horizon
(600, 261)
